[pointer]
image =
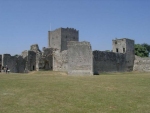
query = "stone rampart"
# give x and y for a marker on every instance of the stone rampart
(46, 62)
(20, 64)
(141, 64)
(0, 59)
(24, 54)
(54, 39)
(38, 52)
(15, 64)
(35, 48)
(108, 62)
(60, 60)
(10, 62)
(31, 60)
(0, 62)
(80, 58)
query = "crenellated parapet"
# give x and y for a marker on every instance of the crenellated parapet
(70, 30)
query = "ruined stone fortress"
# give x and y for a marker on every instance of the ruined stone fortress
(66, 53)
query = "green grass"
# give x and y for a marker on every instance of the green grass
(55, 92)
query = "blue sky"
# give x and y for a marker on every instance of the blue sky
(26, 22)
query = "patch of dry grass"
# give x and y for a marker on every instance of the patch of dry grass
(55, 92)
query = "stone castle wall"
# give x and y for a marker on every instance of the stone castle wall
(0, 62)
(46, 62)
(66, 53)
(38, 52)
(126, 46)
(141, 64)
(21, 64)
(0, 59)
(60, 60)
(130, 54)
(68, 34)
(10, 61)
(31, 60)
(108, 62)
(119, 45)
(54, 39)
(80, 58)
(15, 64)
(59, 37)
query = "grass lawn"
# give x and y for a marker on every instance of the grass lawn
(55, 92)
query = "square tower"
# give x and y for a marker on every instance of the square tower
(125, 46)
(59, 37)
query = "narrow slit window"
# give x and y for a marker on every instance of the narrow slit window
(117, 50)
(124, 50)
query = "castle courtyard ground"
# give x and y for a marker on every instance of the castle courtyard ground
(56, 92)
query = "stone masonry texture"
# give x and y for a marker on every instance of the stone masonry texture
(80, 58)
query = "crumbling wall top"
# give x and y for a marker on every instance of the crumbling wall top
(122, 39)
(75, 43)
(35, 48)
(70, 29)
(66, 29)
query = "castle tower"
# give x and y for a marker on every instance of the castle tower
(59, 37)
(125, 46)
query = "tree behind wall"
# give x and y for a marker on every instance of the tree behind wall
(141, 51)
(147, 46)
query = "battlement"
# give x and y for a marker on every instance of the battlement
(65, 29)
(123, 39)
(69, 29)
(6, 55)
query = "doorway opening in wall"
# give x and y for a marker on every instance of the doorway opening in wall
(46, 65)
(0, 67)
(118, 66)
(33, 67)
(117, 50)
(124, 50)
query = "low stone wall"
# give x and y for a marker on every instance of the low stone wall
(108, 62)
(141, 64)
